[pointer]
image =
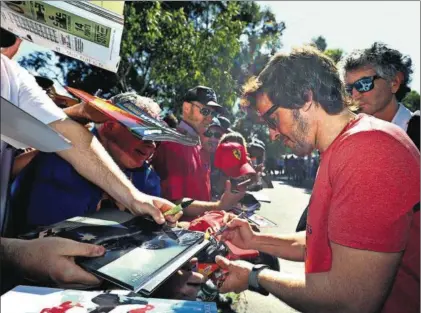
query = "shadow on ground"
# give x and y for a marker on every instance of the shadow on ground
(306, 185)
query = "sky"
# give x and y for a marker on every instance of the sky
(26, 48)
(347, 25)
(350, 25)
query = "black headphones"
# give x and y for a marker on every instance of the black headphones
(7, 39)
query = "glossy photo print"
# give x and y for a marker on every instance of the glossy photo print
(133, 254)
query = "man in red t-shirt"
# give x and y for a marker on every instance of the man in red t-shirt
(185, 170)
(361, 247)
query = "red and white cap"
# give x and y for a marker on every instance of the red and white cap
(231, 159)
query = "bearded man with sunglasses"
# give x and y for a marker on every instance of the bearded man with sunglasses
(377, 78)
(210, 139)
(185, 170)
(211, 136)
(361, 245)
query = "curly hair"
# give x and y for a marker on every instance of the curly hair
(288, 78)
(387, 63)
(134, 101)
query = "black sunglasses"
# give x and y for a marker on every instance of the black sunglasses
(209, 134)
(206, 111)
(362, 85)
(268, 120)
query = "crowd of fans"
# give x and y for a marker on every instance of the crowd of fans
(361, 223)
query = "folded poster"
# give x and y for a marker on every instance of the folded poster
(137, 121)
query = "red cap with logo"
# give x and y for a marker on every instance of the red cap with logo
(231, 159)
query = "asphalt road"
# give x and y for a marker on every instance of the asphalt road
(287, 205)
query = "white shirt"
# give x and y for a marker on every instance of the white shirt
(21, 89)
(402, 117)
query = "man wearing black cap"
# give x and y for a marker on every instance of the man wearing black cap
(185, 170)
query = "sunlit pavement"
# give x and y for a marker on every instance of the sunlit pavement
(287, 205)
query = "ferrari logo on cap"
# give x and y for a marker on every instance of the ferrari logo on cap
(237, 154)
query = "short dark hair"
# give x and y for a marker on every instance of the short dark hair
(287, 79)
(387, 62)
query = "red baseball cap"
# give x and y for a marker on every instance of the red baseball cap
(231, 159)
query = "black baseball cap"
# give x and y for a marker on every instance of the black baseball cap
(7, 39)
(204, 95)
(225, 123)
(215, 123)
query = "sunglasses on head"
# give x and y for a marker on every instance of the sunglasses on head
(269, 120)
(209, 134)
(206, 111)
(362, 85)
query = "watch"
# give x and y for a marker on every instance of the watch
(253, 279)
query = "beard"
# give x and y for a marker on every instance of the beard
(302, 146)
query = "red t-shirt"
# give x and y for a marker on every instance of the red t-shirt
(184, 170)
(367, 184)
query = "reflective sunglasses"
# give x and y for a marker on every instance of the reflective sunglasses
(206, 111)
(362, 85)
(269, 120)
(209, 134)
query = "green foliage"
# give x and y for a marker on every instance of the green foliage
(261, 38)
(43, 64)
(412, 100)
(335, 54)
(319, 43)
(169, 47)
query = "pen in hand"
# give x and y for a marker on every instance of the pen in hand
(178, 208)
(224, 228)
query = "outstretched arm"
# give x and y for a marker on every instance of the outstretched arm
(345, 288)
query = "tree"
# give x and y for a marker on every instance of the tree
(412, 100)
(43, 64)
(169, 47)
(319, 43)
(260, 39)
(335, 54)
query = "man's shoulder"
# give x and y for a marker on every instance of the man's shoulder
(373, 131)
(52, 165)
(373, 143)
(177, 148)
(6, 62)
(13, 69)
(147, 171)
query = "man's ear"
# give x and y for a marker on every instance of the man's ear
(308, 98)
(396, 82)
